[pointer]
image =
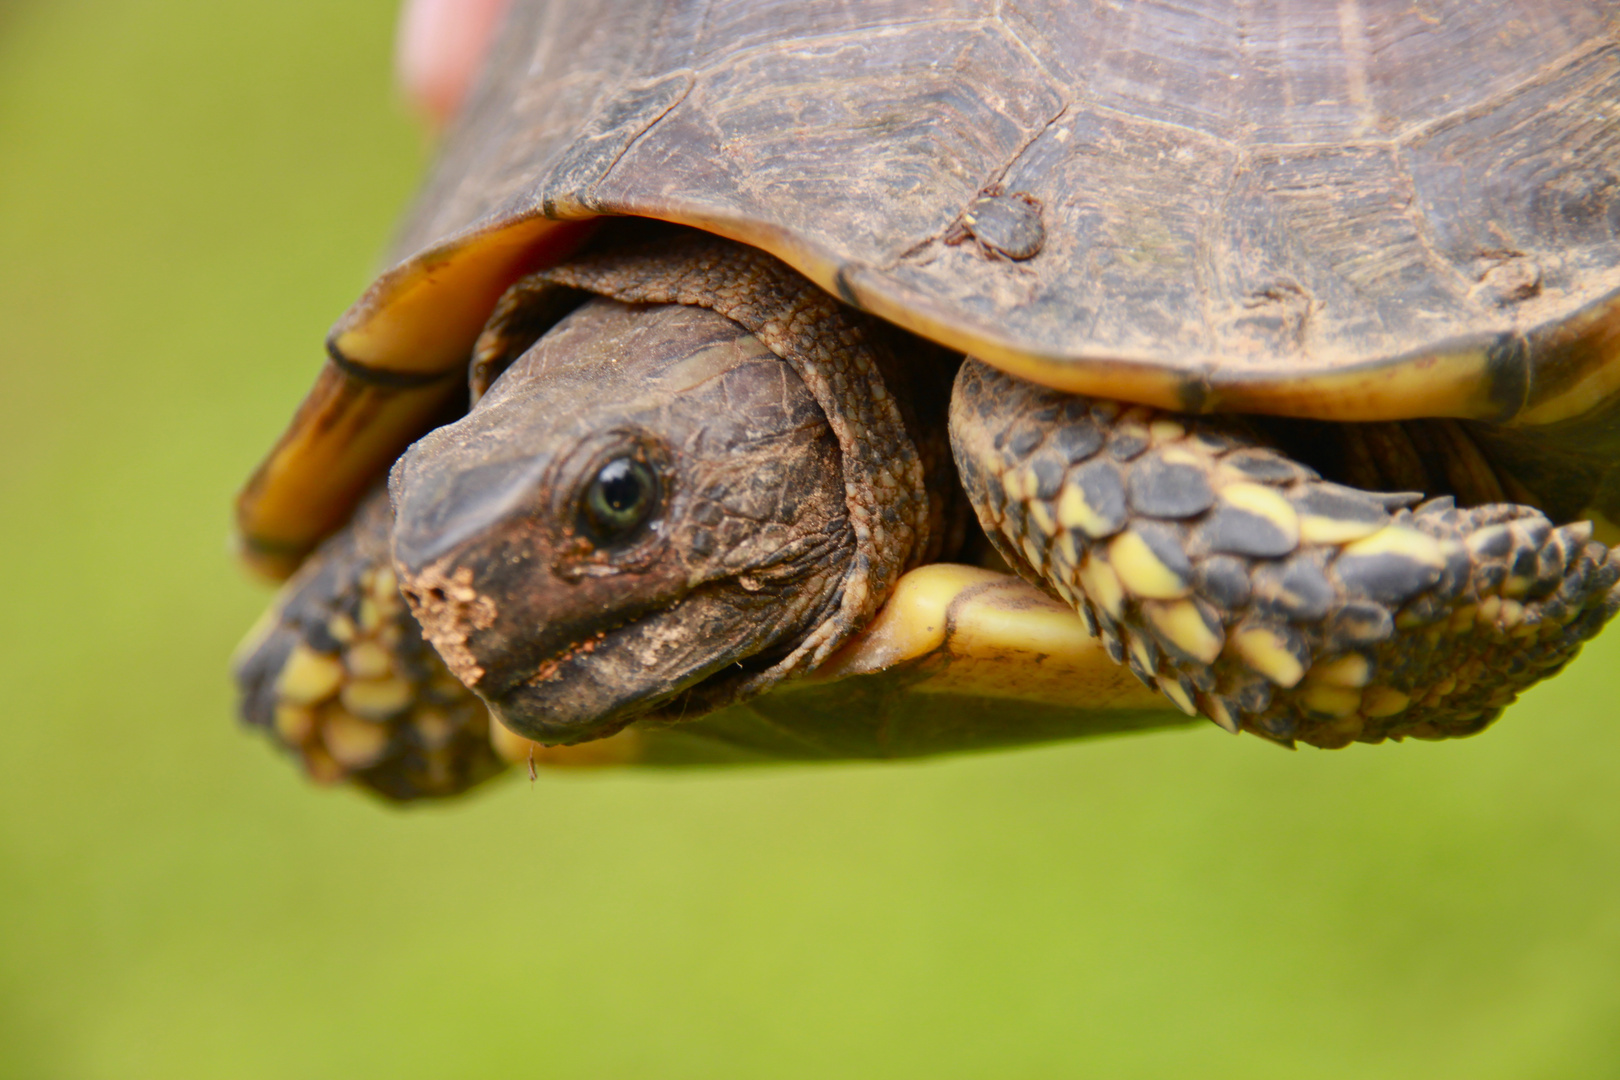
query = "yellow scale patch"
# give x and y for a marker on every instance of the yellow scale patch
(376, 699)
(1264, 502)
(1175, 693)
(1401, 541)
(308, 676)
(1139, 652)
(1219, 713)
(1073, 512)
(1181, 622)
(1353, 670)
(1380, 701)
(1325, 699)
(1040, 512)
(1068, 553)
(337, 711)
(367, 660)
(1102, 585)
(1141, 571)
(1267, 653)
(1319, 529)
(353, 743)
(1166, 430)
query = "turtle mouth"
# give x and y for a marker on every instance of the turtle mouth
(589, 678)
(619, 673)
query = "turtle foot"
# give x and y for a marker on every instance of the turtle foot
(1244, 587)
(338, 675)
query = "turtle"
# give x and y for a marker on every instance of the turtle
(1275, 351)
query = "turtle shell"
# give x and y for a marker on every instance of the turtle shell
(1368, 210)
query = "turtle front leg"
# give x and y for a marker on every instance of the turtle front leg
(1246, 588)
(337, 673)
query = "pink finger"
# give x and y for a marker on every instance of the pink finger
(438, 49)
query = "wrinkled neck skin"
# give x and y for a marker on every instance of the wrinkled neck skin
(567, 635)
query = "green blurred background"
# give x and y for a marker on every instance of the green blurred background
(190, 192)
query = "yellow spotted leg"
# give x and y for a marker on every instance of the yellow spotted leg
(337, 673)
(1244, 587)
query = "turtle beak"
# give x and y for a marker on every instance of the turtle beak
(458, 544)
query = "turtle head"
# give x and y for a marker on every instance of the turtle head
(647, 503)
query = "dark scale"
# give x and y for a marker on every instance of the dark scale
(1167, 545)
(1103, 487)
(1388, 578)
(1341, 504)
(1236, 531)
(1048, 468)
(1295, 588)
(1127, 441)
(1167, 489)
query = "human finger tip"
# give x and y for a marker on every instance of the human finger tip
(438, 49)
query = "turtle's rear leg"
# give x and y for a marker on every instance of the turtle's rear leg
(1246, 588)
(338, 674)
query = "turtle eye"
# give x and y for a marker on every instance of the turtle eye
(620, 499)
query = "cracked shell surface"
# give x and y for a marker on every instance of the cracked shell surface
(700, 113)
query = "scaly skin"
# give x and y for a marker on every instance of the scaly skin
(1246, 588)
